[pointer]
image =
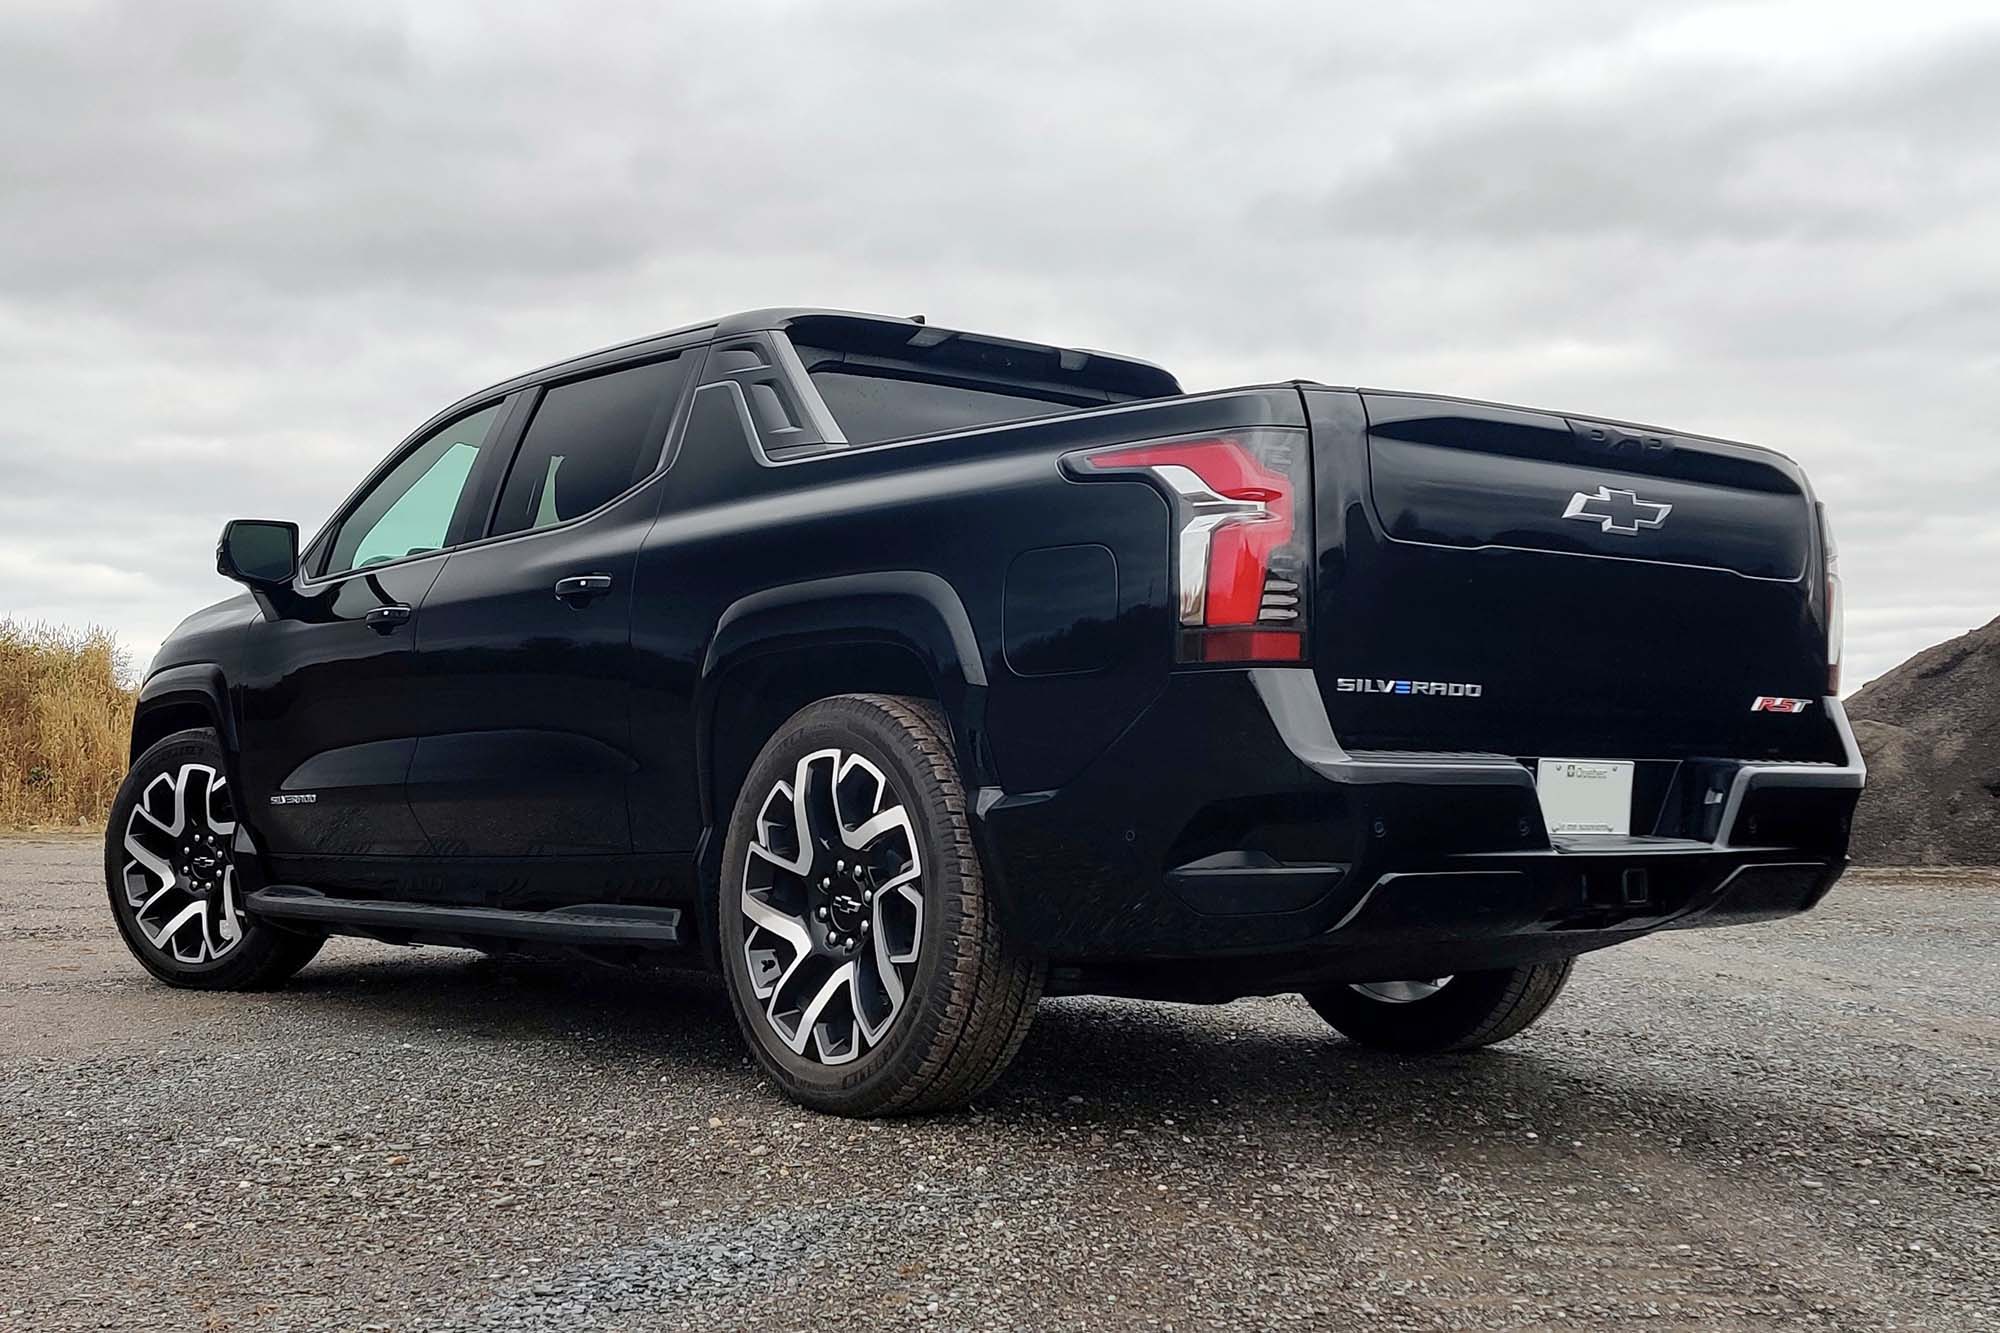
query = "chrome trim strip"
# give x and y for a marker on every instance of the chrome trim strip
(807, 392)
(1291, 696)
(742, 415)
(670, 449)
(480, 543)
(1393, 875)
(1731, 877)
(1207, 512)
(306, 584)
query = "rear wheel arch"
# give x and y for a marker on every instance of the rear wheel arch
(900, 632)
(761, 692)
(753, 699)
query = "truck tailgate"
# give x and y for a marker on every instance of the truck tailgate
(1507, 581)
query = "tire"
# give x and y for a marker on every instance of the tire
(880, 984)
(174, 812)
(1468, 1010)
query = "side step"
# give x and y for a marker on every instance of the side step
(615, 925)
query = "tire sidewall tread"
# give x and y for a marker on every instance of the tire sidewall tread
(1475, 1009)
(971, 998)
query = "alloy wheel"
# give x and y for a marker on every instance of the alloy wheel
(833, 907)
(179, 878)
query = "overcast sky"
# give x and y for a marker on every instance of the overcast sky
(247, 248)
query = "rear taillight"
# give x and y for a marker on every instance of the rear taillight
(1241, 506)
(1834, 627)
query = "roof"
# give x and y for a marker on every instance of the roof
(781, 317)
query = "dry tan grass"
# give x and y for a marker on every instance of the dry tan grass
(65, 718)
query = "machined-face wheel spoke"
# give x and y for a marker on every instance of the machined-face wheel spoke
(1402, 992)
(178, 877)
(832, 907)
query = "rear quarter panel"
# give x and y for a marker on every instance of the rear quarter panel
(964, 507)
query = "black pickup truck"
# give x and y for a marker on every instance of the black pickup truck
(907, 675)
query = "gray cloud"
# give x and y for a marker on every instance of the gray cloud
(1697, 152)
(249, 246)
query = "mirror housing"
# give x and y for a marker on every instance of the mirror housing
(260, 552)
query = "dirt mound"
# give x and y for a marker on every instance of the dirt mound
(1930, 730)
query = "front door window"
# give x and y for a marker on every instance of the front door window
(410, 509)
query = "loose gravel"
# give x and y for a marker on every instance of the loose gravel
(1785, 1126)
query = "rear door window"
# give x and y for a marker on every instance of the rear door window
(590, 441)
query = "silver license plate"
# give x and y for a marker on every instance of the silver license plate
(1586, 795)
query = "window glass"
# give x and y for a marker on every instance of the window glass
(871, 408)
(409, 510)
(590, 441)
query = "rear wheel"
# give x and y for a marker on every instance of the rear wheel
(170, 867)
(1454, 1013)
(864, 961)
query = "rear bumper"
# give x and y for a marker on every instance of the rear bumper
(1229, 826)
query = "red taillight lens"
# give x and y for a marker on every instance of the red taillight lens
(1239, 537)
(1244, 645)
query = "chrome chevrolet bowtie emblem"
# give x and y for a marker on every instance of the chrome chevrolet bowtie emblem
(1617, 511)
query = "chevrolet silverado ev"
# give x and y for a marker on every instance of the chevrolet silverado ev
(905, 676)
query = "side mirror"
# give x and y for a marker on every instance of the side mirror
(258, 551)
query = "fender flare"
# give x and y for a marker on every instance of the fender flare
(910, 608)
(914, 605)
(198, 683)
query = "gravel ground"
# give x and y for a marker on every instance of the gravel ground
(1789, 1126)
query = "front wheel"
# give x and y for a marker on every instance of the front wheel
(170, 867)
(864, 961)
(1455, 1013)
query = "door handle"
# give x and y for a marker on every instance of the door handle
(386, 619)
(580, 588)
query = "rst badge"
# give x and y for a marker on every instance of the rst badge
(1772, 703)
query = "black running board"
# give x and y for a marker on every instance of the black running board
(593, 925)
